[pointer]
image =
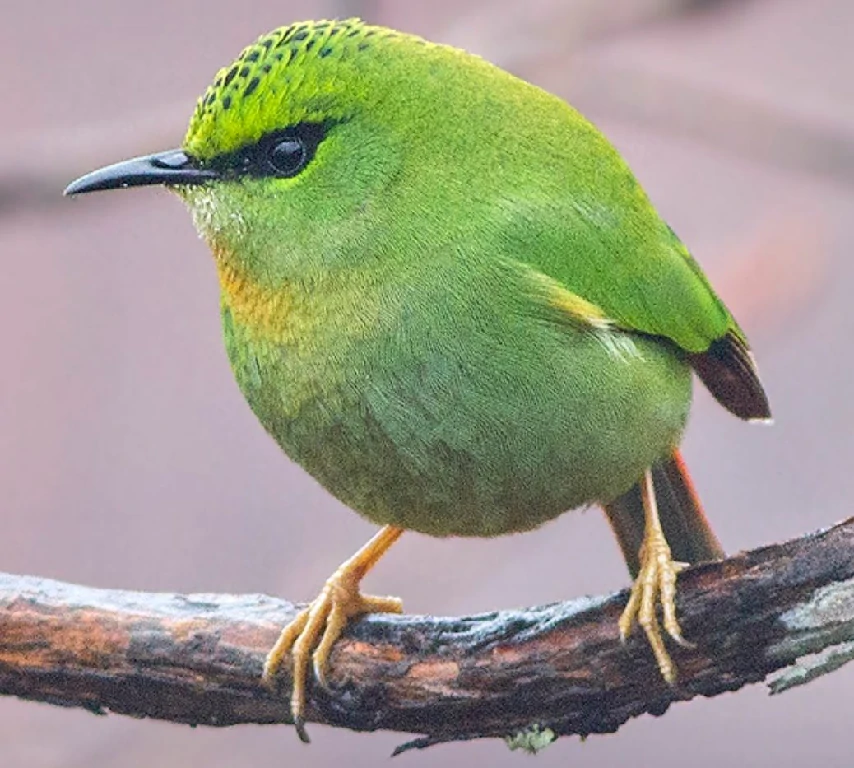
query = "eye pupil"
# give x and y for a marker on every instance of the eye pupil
(288, 156)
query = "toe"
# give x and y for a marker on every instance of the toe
(279, 652)
(629, 614)
(335, 623)
(374, 604)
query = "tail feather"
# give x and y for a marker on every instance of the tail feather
(685, 525)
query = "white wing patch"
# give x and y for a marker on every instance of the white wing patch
(620, 346)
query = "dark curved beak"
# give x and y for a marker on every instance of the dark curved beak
(167, 168)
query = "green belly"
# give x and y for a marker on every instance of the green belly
(475, 424)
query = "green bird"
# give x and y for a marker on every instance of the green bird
(446, 296)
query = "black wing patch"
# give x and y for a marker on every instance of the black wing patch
(729, 373)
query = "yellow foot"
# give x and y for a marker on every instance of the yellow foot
(311, 635)
(655, 584)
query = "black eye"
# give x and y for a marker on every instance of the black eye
(288, 157)
(282, 153)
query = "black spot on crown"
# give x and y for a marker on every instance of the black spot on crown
(232, 73)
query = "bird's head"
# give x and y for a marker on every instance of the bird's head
(311, 137)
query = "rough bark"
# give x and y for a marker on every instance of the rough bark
(555, 670)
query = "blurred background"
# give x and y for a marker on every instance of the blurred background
(128, 458)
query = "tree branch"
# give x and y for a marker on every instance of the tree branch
(198, 658)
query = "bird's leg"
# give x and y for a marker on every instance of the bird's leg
(654, 584)
(311, 635)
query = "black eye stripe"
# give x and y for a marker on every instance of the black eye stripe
(257, 159)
